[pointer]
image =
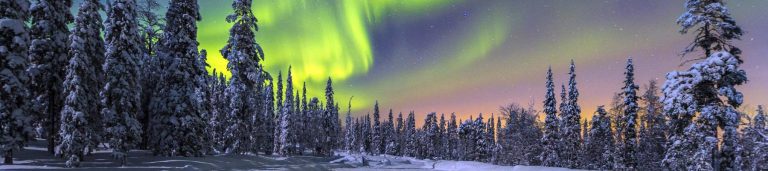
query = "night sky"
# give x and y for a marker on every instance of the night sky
(472, 56)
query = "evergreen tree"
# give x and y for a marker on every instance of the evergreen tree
(630, 118)
(304, 120)
(366, 135)
(243, 54)
(80, 119)
(480, 148)
(286, 141)
(570, 129)
(431, 139)
(15, 124)
(332, 116)
(377, 137)
(755, 142)
(278, 113)
(409, 134)
(599, 143)
(498, 156)
(707, 90)
(150, 31)
(440, 148)
(218, 121)
(121, 103)
(490, 132)
(48, 60)
(399, 132)
(550, 139)
(390, 134)
(269, 120)
(179, 126)
(652, 138)
(520, 139)
(349, 132)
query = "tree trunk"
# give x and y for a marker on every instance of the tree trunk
(8, 157)
(51, 124)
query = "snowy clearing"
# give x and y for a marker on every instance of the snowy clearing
(387, 162)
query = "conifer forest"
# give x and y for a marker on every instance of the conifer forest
(383, 85)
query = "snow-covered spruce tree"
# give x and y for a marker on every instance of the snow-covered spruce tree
(286, 143)
(431, 140)
(269, 119)
(257, 119)
(48, 61)
(498, 155)
(178, 124)
(15, 124)
(400, 139)
(332, 116)
(630, 118)
(278, 113)
(550, 154)
(376, 142)
(218, 121)
(80, 119)
(450, 139)
(481, 147)
(754, 141)
(391, 137)
(440, 148)
(366, 134)
(599, 143)
(409, 135)
(304, 121)
(570, 128)
(119, 97)
(357, 136)
(243, 54)
(707, 90)
(203, 96)
(349, 133)
(468, 135)
(651, 140)
(489, 134)
(509, 136)
(531, 133)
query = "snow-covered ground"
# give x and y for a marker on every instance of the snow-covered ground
(35, 157)
(387, 162)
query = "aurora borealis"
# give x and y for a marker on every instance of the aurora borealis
(472, 56)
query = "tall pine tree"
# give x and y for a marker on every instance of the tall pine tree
(630, 118)
(48, 59)
(16, 124)
(119, 97)
(651, 140)
(549, 155)
(570, 120)
(178, 128)
(376, 141)
(80, 119)
(286, 145)
(706, 90)
(243, 54)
